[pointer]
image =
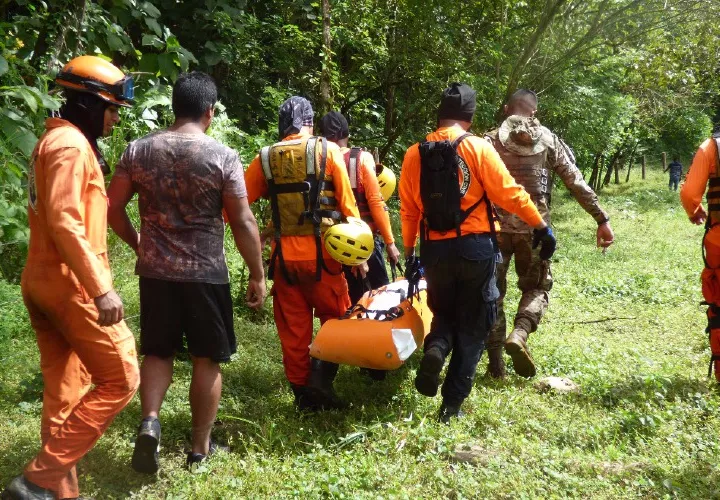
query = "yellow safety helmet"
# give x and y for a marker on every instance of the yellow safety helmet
(95, 75)
(350, 243)
(386, 179)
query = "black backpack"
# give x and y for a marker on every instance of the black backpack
(440, 188)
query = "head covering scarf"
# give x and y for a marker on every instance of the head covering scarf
(334, 126)
(87, 112)
(294, 114)
(457, 103)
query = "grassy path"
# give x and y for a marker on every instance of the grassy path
(645, 423)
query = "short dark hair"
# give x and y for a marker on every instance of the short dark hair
(521, 93)
(193, 94)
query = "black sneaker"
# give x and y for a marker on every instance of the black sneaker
(428, 375)
(193, 459)
(22, 489)
(449, 411)
(147, 445)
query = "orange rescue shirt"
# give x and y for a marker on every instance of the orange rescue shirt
(703, 166)
(487, 172)
(376, 203)
(295, 248)
(67, 207)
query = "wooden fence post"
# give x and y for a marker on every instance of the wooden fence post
(643, 167)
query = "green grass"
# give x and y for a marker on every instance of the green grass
(645, 423)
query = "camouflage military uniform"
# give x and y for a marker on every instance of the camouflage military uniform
(534, 172)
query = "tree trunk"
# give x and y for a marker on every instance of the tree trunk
(77, 46)
(326, 77)
(61, 14)
(664, 160)
(594, 173)
(598, 181)
(631, 161)
(551, 9)
(618, 162)
(390, 133)
(610, 168)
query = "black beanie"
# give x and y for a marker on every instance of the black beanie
(457, 103)
(334, 126)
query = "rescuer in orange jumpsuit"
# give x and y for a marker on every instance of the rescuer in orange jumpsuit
(67, 286)
(373, 210)
(297, 292)
(703, 174)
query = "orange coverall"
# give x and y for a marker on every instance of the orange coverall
(375, 201)
(704, 166)
(67, 266)
(294, 305)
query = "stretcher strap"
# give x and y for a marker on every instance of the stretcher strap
(387, 315)
(394, 268)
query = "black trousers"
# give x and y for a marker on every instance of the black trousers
(462, 295)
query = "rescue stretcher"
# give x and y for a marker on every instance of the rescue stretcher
(380, 332)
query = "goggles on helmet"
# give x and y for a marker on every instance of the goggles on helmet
(122, 90)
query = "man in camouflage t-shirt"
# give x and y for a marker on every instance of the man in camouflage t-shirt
(184, 180)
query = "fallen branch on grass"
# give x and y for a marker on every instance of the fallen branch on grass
(614, 318)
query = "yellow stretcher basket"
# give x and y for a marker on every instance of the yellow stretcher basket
(381, 331)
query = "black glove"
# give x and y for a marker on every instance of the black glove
(546, 239)
(413, 275)
(412, 268)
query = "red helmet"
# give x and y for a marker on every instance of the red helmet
(97, 76)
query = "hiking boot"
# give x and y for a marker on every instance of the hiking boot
(320, 386)
(516, 347)
(193, 459)
(22, 489)
(427, 378)
(496, 363)
(147, 445)
(448, 412)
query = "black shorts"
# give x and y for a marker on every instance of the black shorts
(201, 312)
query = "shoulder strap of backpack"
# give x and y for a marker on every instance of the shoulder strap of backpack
(488, 205)
(353, 162)
(461, 138)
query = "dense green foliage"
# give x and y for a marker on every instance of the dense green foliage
(643, 426)
(616, 78)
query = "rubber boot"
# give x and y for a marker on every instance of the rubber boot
(496, 363)
(516, 347)
(304, 400)
(322, 375)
